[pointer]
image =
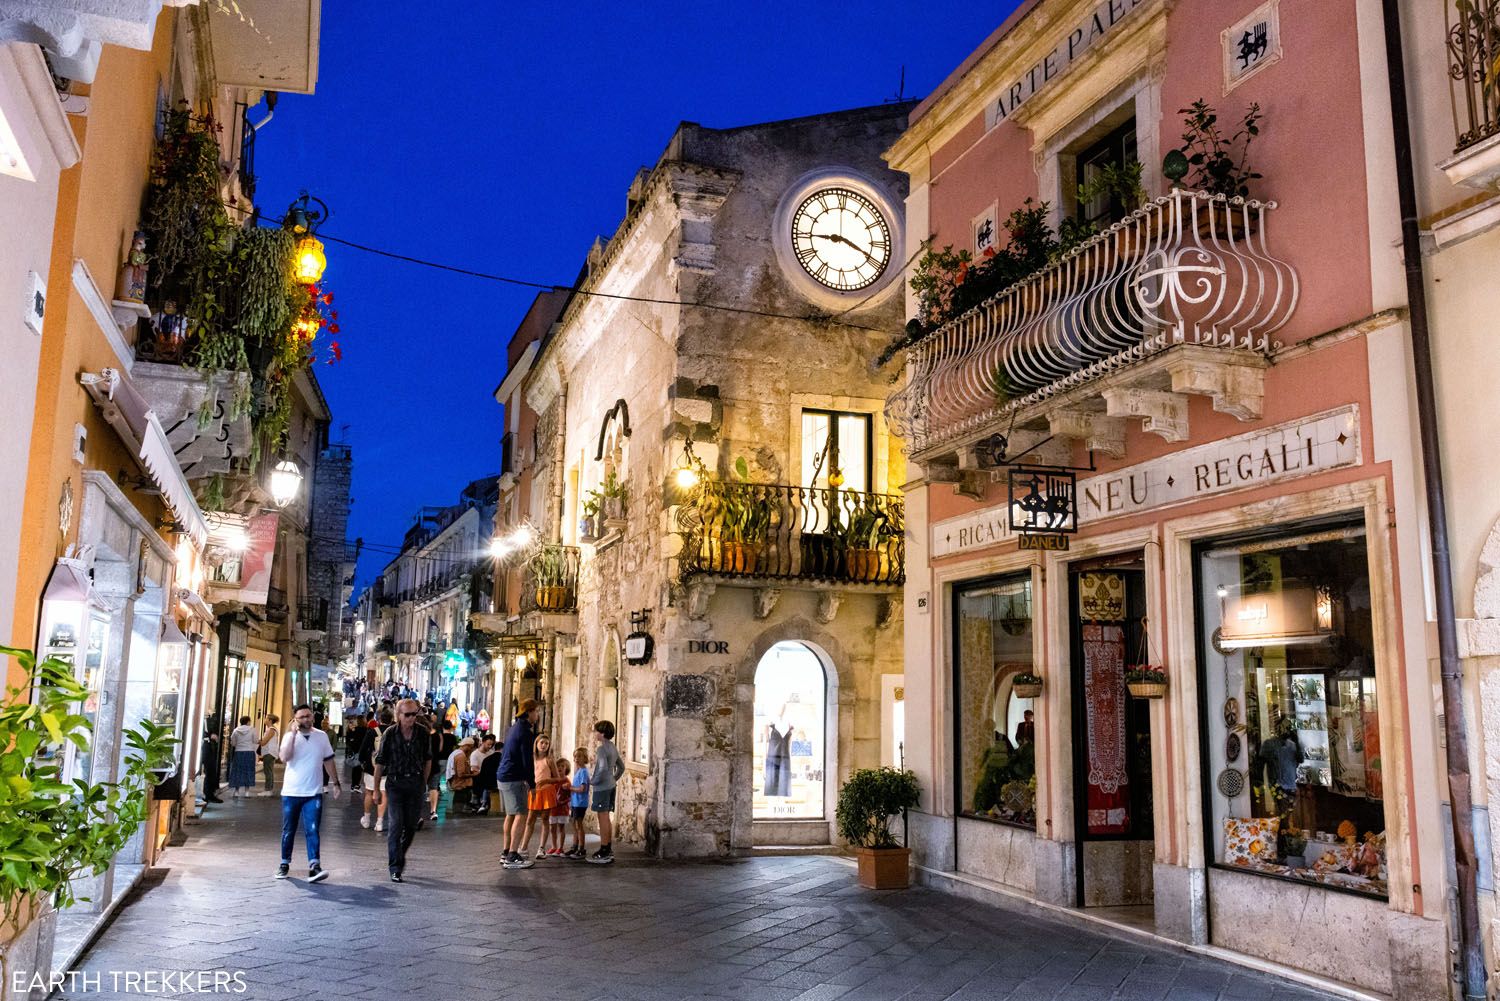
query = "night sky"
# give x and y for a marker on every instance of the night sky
(503, 139)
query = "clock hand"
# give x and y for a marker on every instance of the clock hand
(837, 238)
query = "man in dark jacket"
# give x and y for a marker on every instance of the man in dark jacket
(516, 778)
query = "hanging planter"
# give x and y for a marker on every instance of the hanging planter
(1027, 686)
(1146, 681)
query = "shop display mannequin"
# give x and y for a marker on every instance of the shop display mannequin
(778, 756)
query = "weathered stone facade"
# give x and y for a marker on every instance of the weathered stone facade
(622, 383)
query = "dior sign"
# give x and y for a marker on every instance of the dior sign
(1304, 447)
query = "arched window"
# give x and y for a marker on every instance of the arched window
(791, 713)
(614, 438)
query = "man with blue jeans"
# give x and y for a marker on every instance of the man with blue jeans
(308, 757)
(516, 778)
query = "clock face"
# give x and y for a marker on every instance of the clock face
(841, 239)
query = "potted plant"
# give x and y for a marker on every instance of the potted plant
(611, 495)
(867, 802)
(868, 537)
(1208, 161)
(550, 571)
(1027, 685)
(57, 832)
(736, 521)
(588, 525)
(1146, 681)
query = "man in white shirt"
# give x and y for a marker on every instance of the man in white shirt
(308, 757)
(480, 803)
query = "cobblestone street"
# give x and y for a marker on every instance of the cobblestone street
(766, 929)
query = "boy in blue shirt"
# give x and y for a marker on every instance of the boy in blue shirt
(578, 803)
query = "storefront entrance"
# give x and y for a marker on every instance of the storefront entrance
(1111, 733)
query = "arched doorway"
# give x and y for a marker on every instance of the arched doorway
(791, 732)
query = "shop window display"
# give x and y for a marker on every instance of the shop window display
(1292, 709)
(996, 728)
(790, 734)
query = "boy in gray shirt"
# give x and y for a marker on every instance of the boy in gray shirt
(602, 778)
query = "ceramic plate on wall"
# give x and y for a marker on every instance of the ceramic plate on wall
(1231, 782)
(1232, 747)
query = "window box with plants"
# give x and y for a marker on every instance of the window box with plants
(1027, 685)
(1146, 681)
(736, 523)
(869, 538)
(554, 588)
(867, 803)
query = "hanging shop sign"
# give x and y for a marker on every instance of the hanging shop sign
(255, 564)
(1305, 447)
(1043, 500)
(1042, 541)
(638, 648)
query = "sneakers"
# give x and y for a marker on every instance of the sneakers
(575, 854)
(541, 853)
(316, 874)
(554, 853)
(364, 821)
(380, 825)
(604, 856)
(283, 871)
(432, 815)
(396, 876)
(515, 860)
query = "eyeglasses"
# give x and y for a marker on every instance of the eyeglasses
(408, 714)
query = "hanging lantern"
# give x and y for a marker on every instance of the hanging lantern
(286, 480)
(309, 260)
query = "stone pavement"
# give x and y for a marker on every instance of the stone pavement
(762, 929)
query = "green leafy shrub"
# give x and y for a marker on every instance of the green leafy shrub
(869, 800)
(53, 832)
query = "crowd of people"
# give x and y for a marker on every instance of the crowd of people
(409, 752)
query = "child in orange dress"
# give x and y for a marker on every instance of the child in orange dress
(544, 796)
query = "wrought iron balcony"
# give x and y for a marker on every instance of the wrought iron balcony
(779, 532)
(1186, 269)
(1473, 48)
(312, 614)
(549, 580)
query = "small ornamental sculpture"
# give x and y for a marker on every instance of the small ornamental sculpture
(170, 328)
(133, 271)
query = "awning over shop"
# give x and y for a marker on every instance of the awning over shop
(127, 412)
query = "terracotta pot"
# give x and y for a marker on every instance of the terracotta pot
(553, 598)
(863, 564)
(820, 556)
(1228, 222)
(884, 868)
(1147, 689)
(1025, 691)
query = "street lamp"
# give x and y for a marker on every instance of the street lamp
(286, 480)
(308, 259)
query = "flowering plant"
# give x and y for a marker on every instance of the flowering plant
(1146, 674)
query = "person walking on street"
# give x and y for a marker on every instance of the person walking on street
(443, 743)
(268, 748)
(606, 772)
(308, 757)
(404, 762)
(211, 756)
(516, 778)
(241, 759)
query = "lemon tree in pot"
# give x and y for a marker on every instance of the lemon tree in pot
(867, 802)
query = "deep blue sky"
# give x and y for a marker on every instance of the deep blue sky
(503, 139)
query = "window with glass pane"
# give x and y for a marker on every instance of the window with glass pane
(1113, 152)
(836, 441)
(996, 727)
(640, 734)
(1292, 711)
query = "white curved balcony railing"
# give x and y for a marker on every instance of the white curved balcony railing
(1187, 268)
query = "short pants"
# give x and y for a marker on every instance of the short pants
(558, 818)
(370, 782)
(435, 782)
(603, 801)
(513, 794)
(578, 812)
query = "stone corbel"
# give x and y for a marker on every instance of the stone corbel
(765, 601)
(1236, 388)
(938, 472)
(889, 611)
(828, 605)
(1164, 414)
(698, 593)
(972, 483)
(1098, 432)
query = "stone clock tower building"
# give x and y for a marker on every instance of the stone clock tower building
(716, 539)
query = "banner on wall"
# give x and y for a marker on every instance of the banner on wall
(1104, 707)
(255, 573)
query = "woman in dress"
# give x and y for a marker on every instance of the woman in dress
(243, 741)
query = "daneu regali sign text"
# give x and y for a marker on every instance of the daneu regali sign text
(1311, 445)
(1084, 36)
